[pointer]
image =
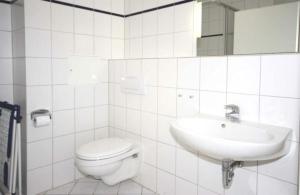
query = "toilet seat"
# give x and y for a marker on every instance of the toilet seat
(103, 149)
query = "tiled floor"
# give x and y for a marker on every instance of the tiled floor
(87, 186)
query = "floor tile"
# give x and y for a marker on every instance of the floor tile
(84, 188)
(62, 190)
(147, 192)
(103, 189)
(130, 188)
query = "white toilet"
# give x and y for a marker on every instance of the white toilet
(111, 159)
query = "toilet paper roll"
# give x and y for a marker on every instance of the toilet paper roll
(41, 121)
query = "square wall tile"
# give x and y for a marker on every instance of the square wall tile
(134, 67)
(244, 74)
(184, 44)
(245, 183)
(167, 101)
(150, 23)
(84, 45)
(133, 121)
(117, 69)
(102, 24)
(60, 71)
(165, 183)
(133, 101)
(37, 14)
(183, 187)
(83, 138)
(38, 71)
(289, 115)
(149, 125)
(101, 94)
(117, 24)
(149, 101)
(39, 154)
(83, 21)
(166, 20)
(136, 48)
(187, 165)
(280, 75)
(63, 122)
(135, 29)
(62, 50)
(187, 102)
(101, 116)
(163, 130)
(150, 151)
(202, 191)
(269, 185)
(6, 44)
(84, 96)
(63, 172)
(103, 47)
(210, 174)
(5, 15)
(63, 148)
(212, 103)
(165, 45)
(120, 118)
(213, 73)
(101, 133)
(6, 71)
(117, 49)
(184, 17)
(149, 69)
(6, 93)
(38, 43)
(39, 97)
(63, 97)
(188, 73)
(62, 18)
(167, 72)
(166, 157)
(148, 176)
(35, 184)
(285, 168)
(150, 47)
(84, 119)
(119, 97)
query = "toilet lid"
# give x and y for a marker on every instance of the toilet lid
(103, 148)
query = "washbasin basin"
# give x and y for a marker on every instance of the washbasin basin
(221, 139)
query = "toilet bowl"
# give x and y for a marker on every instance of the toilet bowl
(111, 159)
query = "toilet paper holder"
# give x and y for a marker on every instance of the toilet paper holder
(40, 112)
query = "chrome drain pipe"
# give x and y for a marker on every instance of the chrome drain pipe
(228, 167)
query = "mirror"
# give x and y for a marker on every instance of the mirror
(249, 27)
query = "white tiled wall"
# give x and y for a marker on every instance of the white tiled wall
(266, 87)
(163, 33)
(53, 32)
(6, 64)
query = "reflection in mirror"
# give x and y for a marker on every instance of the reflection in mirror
(248, 27)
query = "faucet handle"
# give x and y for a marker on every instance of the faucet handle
(232, 107)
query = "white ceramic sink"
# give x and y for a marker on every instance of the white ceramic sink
(221, 139)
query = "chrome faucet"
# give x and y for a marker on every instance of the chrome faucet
(232, 112)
